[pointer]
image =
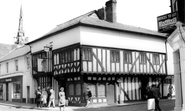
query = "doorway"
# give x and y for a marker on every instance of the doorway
(144, 83)
(28, 94)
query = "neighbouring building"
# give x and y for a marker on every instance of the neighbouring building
(15, 76)
(116, 61)
(16, 81)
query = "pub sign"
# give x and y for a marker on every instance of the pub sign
(166, 23)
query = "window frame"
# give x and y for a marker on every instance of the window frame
(7, 67)
(16, 65)
(143, 58)
(128, 57)
(156, 59)
(115, 56)
(87, 54)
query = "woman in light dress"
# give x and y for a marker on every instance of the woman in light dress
(44, 96)
(61, 99)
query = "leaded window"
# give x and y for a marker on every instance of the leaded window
(115, 56)
(87, 54)
(128, 57)
(142, 58)
(156, 59)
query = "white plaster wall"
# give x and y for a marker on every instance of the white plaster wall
(108, 38)
(22, 70)
(63, 39)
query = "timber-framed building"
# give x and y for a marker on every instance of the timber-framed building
(116, 61)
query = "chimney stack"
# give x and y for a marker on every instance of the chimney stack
(110, 11)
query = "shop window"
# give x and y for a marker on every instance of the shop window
(87, 54)
(71, 89)
(16, 90)
(156, 60)
(128, 57)
(115, 56)
(142, 58)
(78, 89)
(101, 90)
(92, 88)
(1, 91)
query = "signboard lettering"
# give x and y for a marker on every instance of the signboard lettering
(8, 80)
(167, 22)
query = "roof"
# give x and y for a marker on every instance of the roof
(92, 19)
(5, 48)
(16, 53)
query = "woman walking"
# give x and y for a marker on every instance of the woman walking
(150, 99)
(61, 99)
(44, 96)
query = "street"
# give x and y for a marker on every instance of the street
(165, 106)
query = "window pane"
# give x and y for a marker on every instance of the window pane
(78, 89)
(71, 89)
(16, 90)
(101, 90)
(92, 89)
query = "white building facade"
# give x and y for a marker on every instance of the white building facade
(16, 81)
(117, 62)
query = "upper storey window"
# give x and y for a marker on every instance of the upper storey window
(87, 54)
(115, 56)
(156, 60)
(16, 65)
(142, 58)
(128, 57)
(7, 67)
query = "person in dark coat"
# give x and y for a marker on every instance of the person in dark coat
(150, 99)
(88, 96)
(38, 94)
(157, 95)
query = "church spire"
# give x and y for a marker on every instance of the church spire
(20, 37)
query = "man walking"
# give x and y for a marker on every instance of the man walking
(157, 95)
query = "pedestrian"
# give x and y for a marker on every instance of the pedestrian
(157, 95)
(38, 97)
(52, 98)
(44, 96)
(170, 91)
(62, 99)
(49, 94)
(88, 97)
(150, 99)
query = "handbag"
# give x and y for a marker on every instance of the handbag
(151, 104)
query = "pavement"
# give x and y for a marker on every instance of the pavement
(68, 108)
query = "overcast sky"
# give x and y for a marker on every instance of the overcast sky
(40, 16)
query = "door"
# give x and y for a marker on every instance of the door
(144, 83)
(28, 94)
(110, 93)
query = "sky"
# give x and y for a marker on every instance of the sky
(41, 16)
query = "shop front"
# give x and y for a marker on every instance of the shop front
(11, 89)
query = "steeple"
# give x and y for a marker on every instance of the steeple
(20, 37)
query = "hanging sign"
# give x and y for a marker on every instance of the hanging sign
(167, 22)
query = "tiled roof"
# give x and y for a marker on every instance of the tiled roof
(5, 48)
(16, 53)
(90, 20)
